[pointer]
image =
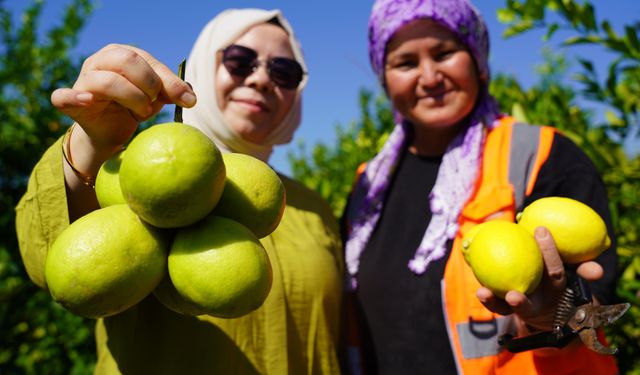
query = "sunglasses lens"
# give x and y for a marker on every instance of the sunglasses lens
(286, 73)
(239, 60)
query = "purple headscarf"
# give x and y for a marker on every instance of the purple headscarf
(459, 16)
(461, 161)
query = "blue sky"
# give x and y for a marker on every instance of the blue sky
(333, 37)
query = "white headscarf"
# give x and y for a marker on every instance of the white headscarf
(222, 31)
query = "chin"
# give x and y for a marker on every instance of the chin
(435, 123)
(252, 135)
(441, 119)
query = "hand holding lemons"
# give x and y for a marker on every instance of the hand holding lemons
(503, 256)
(579, 232)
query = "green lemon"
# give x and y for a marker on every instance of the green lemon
(167, 294)
(219, 266)
(105, 262)
(579, 232)
(108, 181)
(253, 194)
(504, 256)
(172, 175)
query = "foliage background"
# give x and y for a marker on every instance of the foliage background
(38, 336)
(573, 104)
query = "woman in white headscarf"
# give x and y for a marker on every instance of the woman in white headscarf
(247, 71)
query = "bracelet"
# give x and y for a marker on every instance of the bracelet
(86, 179)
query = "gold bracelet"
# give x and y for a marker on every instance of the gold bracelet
(86, 179)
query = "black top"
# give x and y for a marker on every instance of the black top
(401, 315)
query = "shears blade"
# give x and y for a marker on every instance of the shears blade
(607, 314)
(588, 319)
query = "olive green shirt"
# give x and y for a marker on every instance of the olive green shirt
(294, 332)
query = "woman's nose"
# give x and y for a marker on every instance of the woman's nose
(259, 78)
(430, 75)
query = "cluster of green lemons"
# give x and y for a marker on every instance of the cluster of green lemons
(177, 219)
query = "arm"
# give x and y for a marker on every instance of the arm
(568, 172)
(118, 87)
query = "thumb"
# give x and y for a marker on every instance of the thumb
(553, 265)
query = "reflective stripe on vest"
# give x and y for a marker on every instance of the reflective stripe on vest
(526, 156)
(479, 338)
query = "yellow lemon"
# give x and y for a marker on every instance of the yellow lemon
(468, 237)
(579, 232)
(219, 267)
(503, 256)
(253, 194)
(105, 262)
(108, 181)
(172, 175)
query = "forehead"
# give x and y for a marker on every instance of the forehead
(267, 39)
(418, 32)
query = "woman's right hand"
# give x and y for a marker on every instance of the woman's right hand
(118, 87)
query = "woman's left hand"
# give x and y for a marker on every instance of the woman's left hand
(537, 309)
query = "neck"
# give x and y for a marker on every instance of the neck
(432, 141)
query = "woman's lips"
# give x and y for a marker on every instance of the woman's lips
(436, 96)
(253, 105)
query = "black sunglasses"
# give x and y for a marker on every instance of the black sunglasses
(242, 61)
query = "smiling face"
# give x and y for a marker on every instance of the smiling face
(431, 80)
(254, 106)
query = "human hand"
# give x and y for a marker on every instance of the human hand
(118, 87)
(538, 309)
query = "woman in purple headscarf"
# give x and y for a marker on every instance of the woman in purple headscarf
(453, 161)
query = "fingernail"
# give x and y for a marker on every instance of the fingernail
(541, 232)
(84, 97)
(188, 99)
(148, 111)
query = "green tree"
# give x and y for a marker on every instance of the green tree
(555, 100)
(602, 140)
(331, 170)
(36, 335)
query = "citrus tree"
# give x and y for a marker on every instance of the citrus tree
(601, 138)
(572, 103)
(36, 335)
(331, 170)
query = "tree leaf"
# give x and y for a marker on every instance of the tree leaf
(550, 31)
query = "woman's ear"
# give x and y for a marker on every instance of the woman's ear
(484, 78)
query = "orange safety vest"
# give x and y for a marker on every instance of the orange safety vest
(501, 187)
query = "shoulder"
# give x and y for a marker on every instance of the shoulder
(302, 199)
(566, 151)
(297, 192)
(306, 211)
(568, 171)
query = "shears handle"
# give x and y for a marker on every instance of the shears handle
(579, 286)
(546, 339)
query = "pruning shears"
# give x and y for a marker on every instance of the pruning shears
(575, 316)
